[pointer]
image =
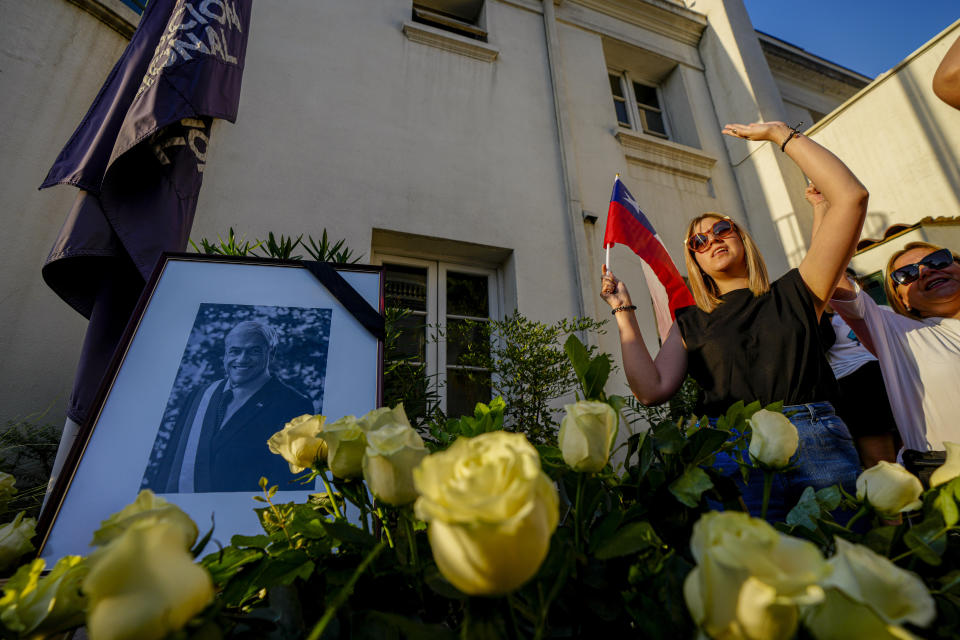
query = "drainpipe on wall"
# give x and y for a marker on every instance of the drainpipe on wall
(575, 221)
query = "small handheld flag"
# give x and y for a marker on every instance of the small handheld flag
(627, 225)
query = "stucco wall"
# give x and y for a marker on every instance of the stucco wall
(901, 141)
(53, 59)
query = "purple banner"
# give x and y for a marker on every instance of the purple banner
(138, 158)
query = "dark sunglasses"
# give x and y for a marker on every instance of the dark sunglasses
(699, 242)
(908, 273)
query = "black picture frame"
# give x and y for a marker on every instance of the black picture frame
(316, 330)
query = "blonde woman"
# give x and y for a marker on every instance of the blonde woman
(918, 346)
(749, 339)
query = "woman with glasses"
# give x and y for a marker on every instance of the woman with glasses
(752, 340)
(918, 346)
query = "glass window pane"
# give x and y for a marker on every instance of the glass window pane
(467, 343)
(464, 390)
(412, 342)
(467, 295)
(616, 87)
(646, 95)
(405, 287)
(654, 122)
(622, 117)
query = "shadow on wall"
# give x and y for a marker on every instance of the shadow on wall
(776, 229)
(946, 156)
(876, 223)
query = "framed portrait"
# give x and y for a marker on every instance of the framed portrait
(219, 355)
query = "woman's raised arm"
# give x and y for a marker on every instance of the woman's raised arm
(834, 244)
(651, 380)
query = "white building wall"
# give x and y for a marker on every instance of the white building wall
(53, 59)
(347, 124)
(901, 141)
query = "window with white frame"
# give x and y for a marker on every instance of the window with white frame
(637, 105)
(445, 303)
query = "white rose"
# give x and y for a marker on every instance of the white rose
(950, 469)
(586, 435)
(299, 442)
(388, 462)
(890, 489)
(773, 440)
(867, 596)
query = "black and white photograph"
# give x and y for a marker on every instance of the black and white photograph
(221, 354)
(245, 372)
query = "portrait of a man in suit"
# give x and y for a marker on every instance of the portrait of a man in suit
(219, 440)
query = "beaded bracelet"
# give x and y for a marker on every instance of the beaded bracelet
(625, 307)
(794, 132)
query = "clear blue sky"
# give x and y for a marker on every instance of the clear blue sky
(868, 36)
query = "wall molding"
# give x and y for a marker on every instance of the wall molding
(112, 13)
(430, 36)
(658, 16)
(666, 156)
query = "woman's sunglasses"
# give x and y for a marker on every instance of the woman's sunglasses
(699, 242)
(908, 273)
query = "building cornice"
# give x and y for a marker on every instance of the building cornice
(796, 65)
(659, 16)
(666, 156)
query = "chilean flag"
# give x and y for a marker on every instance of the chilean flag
(627, 225)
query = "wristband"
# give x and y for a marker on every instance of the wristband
(624, 307)
(794, 132)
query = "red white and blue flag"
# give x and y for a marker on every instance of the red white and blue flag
(627, 225)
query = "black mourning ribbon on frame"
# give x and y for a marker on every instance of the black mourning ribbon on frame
(340, 289)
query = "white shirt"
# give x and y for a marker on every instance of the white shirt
(847, 354)
(920, 361)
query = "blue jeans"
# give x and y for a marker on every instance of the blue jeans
(826, 456)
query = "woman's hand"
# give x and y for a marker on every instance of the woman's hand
(775, 132)
(813, 195)
(613, 290)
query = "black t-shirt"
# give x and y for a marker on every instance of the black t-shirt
(764, 348)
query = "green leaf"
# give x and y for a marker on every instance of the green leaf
(829, 497)
(946, 501)
(596, 377)
(690, 486)
(604, 529)
(579, 358)
(267, 572)
(348, 533)
(307, 522)
(702, 444)
(667, 438)
(255, 542)
(227, 562)
(732, 417)
(880, 539)
(923, 541)
(806, 512)
(634, 537)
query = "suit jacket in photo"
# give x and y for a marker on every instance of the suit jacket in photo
(235, 456)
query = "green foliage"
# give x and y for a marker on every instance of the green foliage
(281, 247)
(527, 366)
(485, 418)
(230, 246)
(27, 451)
(404, 378)
(682, 404)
